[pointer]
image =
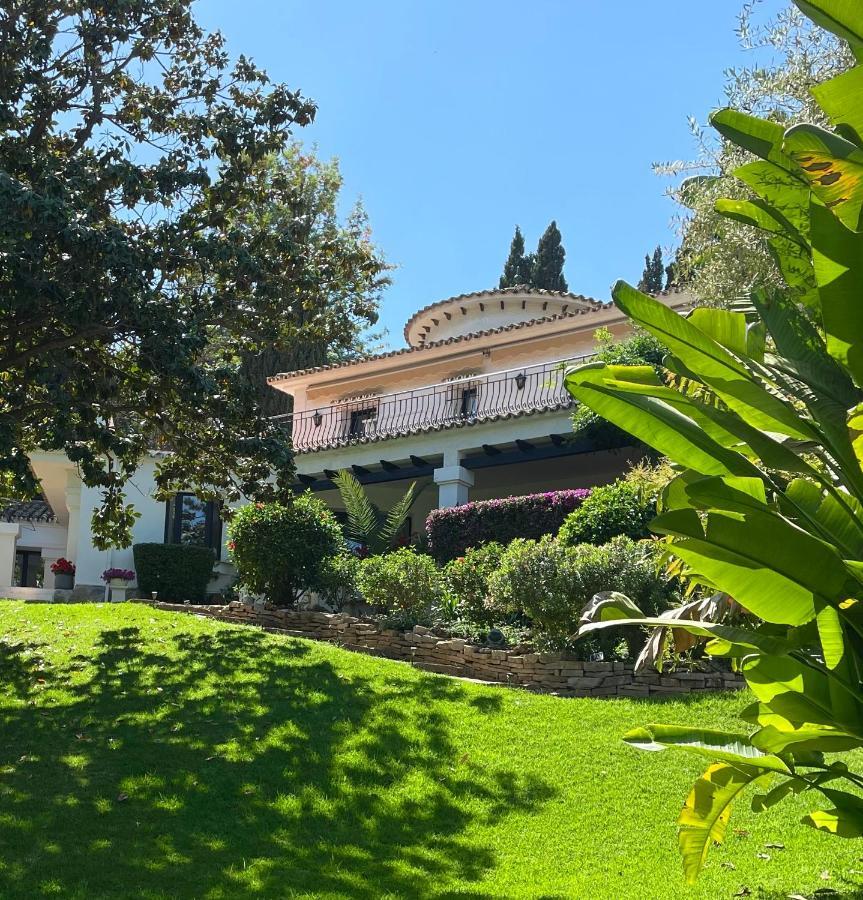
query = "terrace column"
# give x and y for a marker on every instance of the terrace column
(8, 540)
(454, 484)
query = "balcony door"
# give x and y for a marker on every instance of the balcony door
(362, 422)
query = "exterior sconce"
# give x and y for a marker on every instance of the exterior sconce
(317, 418)
(520, 380)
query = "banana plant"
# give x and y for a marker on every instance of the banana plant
(366, 524)
(762, 410)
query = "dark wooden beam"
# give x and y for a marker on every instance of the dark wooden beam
(525, 446)
(490, 450)
(307, 479)
(330, 473)
(418, 461)
(558, 439)
(548, 451)
(388, 466)
(361, 470)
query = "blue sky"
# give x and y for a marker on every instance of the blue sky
(455, 120)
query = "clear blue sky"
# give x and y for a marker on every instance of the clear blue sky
(455, 120)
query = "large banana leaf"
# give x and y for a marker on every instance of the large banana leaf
(758, 136)
(704, 817)
(842, 17)
(729, 746)
(716, 367)
(842, 99)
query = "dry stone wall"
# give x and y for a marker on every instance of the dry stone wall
(545, 672)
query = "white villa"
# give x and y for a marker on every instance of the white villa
(473, 408)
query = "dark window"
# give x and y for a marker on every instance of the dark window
(29, 569)
(360, 420)
(468, 402)
(189, 520)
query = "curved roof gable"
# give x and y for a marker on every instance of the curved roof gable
(482, 311)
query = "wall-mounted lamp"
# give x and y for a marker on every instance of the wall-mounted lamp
(317, 418)
(520, 380)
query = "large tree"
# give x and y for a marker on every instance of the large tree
(548, 263)
(130, 287)
(298, 195)
(518, 268)
(653, 276)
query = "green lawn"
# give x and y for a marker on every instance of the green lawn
(148, 754)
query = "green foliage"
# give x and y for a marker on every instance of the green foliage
(610, 510)
(154, 237)
(179, 572)
(638, 348)
(547, 271)
(283, 550)
(404, 584)
(551, 583)
(466, 580)
(375, 529)
(759, 391)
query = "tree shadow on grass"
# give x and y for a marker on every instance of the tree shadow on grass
(225, 764)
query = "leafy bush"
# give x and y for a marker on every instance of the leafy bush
(404, 583)
(452, 531)
(551, 583)
(178, 572)
(283, 550)
(340, 584)
(610, 510)
(466, 581)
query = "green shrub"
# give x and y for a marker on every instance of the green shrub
(178, 572)
(466, 582)
(404, 584)
(551, 583)
(284, 550)
(340, 586)
(619, 508)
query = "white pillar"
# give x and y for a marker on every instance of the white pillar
(454, 484)
(49, 557)
(73, 505)
(8, 540)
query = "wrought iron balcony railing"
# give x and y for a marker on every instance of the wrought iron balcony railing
(462, 401)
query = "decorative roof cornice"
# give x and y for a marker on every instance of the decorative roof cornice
(457, 339)
(492, 293)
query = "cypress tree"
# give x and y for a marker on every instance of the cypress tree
(654, 273)
(548, 263)
(515, 269)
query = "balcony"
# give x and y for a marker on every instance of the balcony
(450, 404)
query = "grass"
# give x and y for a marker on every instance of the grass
(149, 754)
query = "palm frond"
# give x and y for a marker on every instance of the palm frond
(397, 515)
(362, 516)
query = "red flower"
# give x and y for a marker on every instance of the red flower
(232, 545)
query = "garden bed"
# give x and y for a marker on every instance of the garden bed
(543, 672)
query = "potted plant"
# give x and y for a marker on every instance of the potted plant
(64, 574)
(118, 579)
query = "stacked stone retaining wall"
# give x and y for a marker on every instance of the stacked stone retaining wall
(545, 672)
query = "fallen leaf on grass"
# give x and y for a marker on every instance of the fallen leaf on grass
(121, 797)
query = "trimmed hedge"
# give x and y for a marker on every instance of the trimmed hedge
(451, 532)
(179, 572)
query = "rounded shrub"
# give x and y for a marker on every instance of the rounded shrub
(404, 583)
(551, 583)
(177, 572)
(466, 582)
(621, 508)
(283, 550)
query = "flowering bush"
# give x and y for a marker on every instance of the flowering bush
(466, 581)
(63, 566)
(452, 531)
(122, 574)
